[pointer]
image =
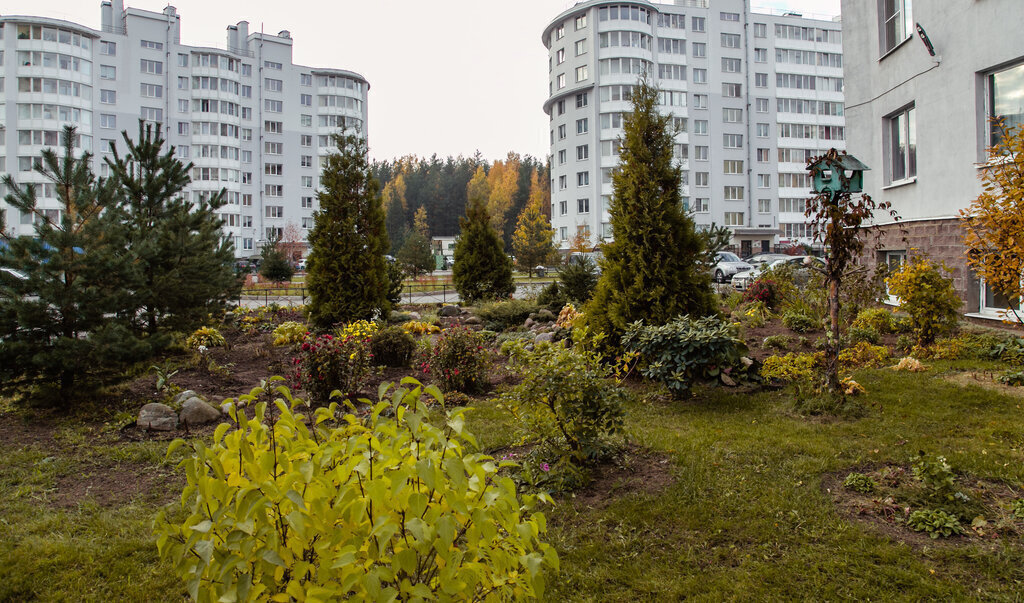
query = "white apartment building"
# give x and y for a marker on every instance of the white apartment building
(753, 97)
(920, 105)
(252, 121)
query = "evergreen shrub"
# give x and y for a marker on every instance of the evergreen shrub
(502, 315)
(392, 346)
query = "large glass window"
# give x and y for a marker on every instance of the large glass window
(1006, 91)
(902, 132)
(896, 23)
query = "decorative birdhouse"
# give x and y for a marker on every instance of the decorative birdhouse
(837, 172)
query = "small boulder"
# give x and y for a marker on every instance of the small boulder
(185, 395)
(542, 337)
(747, 362)
(197, 412)
(414, 316)
(728, 381)
(449, 311)
(529, 323)
(158, 417)
(472, 320)
(545, 315)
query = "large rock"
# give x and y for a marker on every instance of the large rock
(449, 311)
(185, 395)
(158, 417)
(542, 337)
(529, 323)
(197, 412)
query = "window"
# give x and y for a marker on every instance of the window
(760, 30)
(562, 154)
(306, 140)
(732, 166)
(730, 16)
(307, 203)
(305, 79)
(762, 131)
(272, 65)
(563, 208)
(560, 81)
(183, 106)
(581, 73)
(732, 115)
(732, 90)
(700, 76)
(730, 40)
(182, 83)
(108, 121)
(561, 132)
(184, 129)
(732, 141)
(732, 65)
(734, 218)
(152, 67)
(563, 182)
(702, 205)
(581, 47)
(273, 190)
(762, 105)
(700, 179)
(273, 148)
(1006, 88)
(108, 97)
(697, 24)
(582, 152)
(246, 91)
(108, 72)
(792, 205)
(700, 101)
(763, 155)
(560, 56)
(582, 100)
(581, 21)
(764, 181)
(275, 211)
(896, 23)
(151, 91)
(700, 153)
(583, 206)
(560, 32)
(182, 60)
(764, 206)
(306, 161)
(108, 48)
(901, 162)
(700, 49)
(152, 114)
(582, 126)
(306, 121)
(582, 178)
(760, 55)
(700, 127)
(273, 106)
(307, 182)
(760, 80)
(272, 85)
(152, 45)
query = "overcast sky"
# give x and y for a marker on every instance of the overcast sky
(446, 76)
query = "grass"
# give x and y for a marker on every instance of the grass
(745, 517)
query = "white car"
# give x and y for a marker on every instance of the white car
(741, 281)
(726, 265)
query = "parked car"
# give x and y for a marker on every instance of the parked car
(761, 259)
(741, 281)
(578, 257)
(726, 265)
(301, 265)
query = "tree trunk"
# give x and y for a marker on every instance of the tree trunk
(832, 349)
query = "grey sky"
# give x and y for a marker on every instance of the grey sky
(446, 76)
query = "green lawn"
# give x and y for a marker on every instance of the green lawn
(745, 518)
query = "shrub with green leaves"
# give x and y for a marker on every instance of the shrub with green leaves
(288, 333)
(792, 368)
(566, 400)
(863, 334)
(686, 352)
(552, 297)
(1018, 508)
(801, 323)
(393, 346)
(327, 363)
(777, 342)
(459, 361)
(927, 296)
(208, 337)
(878, 319)
(863, 354)
(935, 522)
(578, 280)
(858, 482)
(1012, 377)
(502, 315)
(378, 506)
(936, 475)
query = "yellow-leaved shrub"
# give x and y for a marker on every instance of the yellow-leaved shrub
(378, 507)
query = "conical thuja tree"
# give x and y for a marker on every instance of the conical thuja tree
(182, 265)
(652, 270)
(481, 271)
(57, 325)
(346, 272)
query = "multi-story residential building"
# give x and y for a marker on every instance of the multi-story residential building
(252, 121)
(919, 109)
(753, 97)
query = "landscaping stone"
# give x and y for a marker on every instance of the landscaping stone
(158, 417)
(197, 412)
(542, 337)
(449, 311)
(546, 315)
(529, 323)
(185, 395)
(414, 316)
(728, 381)
(472, 320)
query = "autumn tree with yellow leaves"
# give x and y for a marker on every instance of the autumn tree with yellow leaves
(531, 240)
(994, 222)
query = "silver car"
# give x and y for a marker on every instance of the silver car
(726, 265)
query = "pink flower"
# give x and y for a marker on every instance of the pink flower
(545, 467)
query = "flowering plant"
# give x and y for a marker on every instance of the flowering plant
(326, 363)
(459, 360)
(764, 290)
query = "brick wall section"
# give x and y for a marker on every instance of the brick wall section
(938, 240)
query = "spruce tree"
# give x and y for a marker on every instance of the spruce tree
(414, 255)
(481, 271)
(532, 238)
(57, 325)
(652, 270)
(346, 273)
(274, 263)
(183, 267)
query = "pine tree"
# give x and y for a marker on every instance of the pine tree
(482, 270)
(414, 255)
(347, 277)
(57, 330)
(532, 238)
(652, 270)
(274, 264)
(183, 266)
